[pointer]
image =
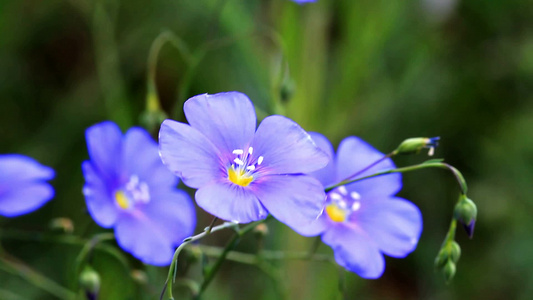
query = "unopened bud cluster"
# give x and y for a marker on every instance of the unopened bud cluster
(466, 213)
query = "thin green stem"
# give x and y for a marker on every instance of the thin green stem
(229, 246)
(265, 255)
(371, 165)
(172, 270)
(35, 278)
(458, 176)
(87, 249)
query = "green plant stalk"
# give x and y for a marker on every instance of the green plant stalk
(265, 255)
(173, 265)
(229, 246)
(458, 176)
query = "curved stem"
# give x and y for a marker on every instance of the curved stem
(172, 270)
(458, 176)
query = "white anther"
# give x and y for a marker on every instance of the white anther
(250, 150)
(431, 151)
(250, 168)
(238, 161)
(259, 160)
(342, 190)
(356, 205)
(335, 196)
(238, 151)
(355, 195)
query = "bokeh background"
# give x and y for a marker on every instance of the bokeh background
(381, 70)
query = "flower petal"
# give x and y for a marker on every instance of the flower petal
(286, 147)
(327, 174)
(145, 238)
(316, 227)
(141, 158)
(230, 202)
(24, 197)
(104, 143)
(17, 168)
(353, 156)
(295, 200)
(227, 119)
(98, 196)
(189, 154)
(355, 251)
(394, 224)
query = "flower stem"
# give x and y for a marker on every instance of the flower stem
(265, 255)
(210, 274)
(173, 265)
(371, 165)
(458, 176)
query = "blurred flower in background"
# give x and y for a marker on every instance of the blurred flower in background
(128, 188)
(242, 174)
(364, 220)
(23, 186)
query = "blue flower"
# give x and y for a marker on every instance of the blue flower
(23, 186)
(242, 174)
(363, 220)
(127, 187)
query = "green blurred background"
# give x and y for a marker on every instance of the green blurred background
(381, 70)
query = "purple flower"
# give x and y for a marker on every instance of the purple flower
(242, 174)
(363, 220)
(23, 186)
(128, 187)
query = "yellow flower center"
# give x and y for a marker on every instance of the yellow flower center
(335, 213)
(239, 177)
(122, 200)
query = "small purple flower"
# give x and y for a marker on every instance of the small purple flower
(242, 174)
(363, 220)
(128, 187)
(23, 186)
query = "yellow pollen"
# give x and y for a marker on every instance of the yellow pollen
(335, 213)
(122, 200)
(239, 177)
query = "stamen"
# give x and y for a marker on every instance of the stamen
(356, 205)
(250, 168)
(250, 150)
(259, 160)
(431, 151)
(238, 161)
(355, 195)
(342, 190)
(238, 151)
(335, 196)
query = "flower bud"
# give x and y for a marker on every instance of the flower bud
(287, 90)
(153, 115)
(260, 230)
(90, 283)
(63, 225)
(139, 276)
(455, 252)
(466, 212)
(414, 145)
(441, 258)
(449, 271)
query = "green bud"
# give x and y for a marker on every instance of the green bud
(441, 258)
(414, 145)
(90, 282)
(466, 212)
(260, 230)
(449, 271)
(153, 115)
(63, 225)
(139, 276)
(455, 252)
(287, 90)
